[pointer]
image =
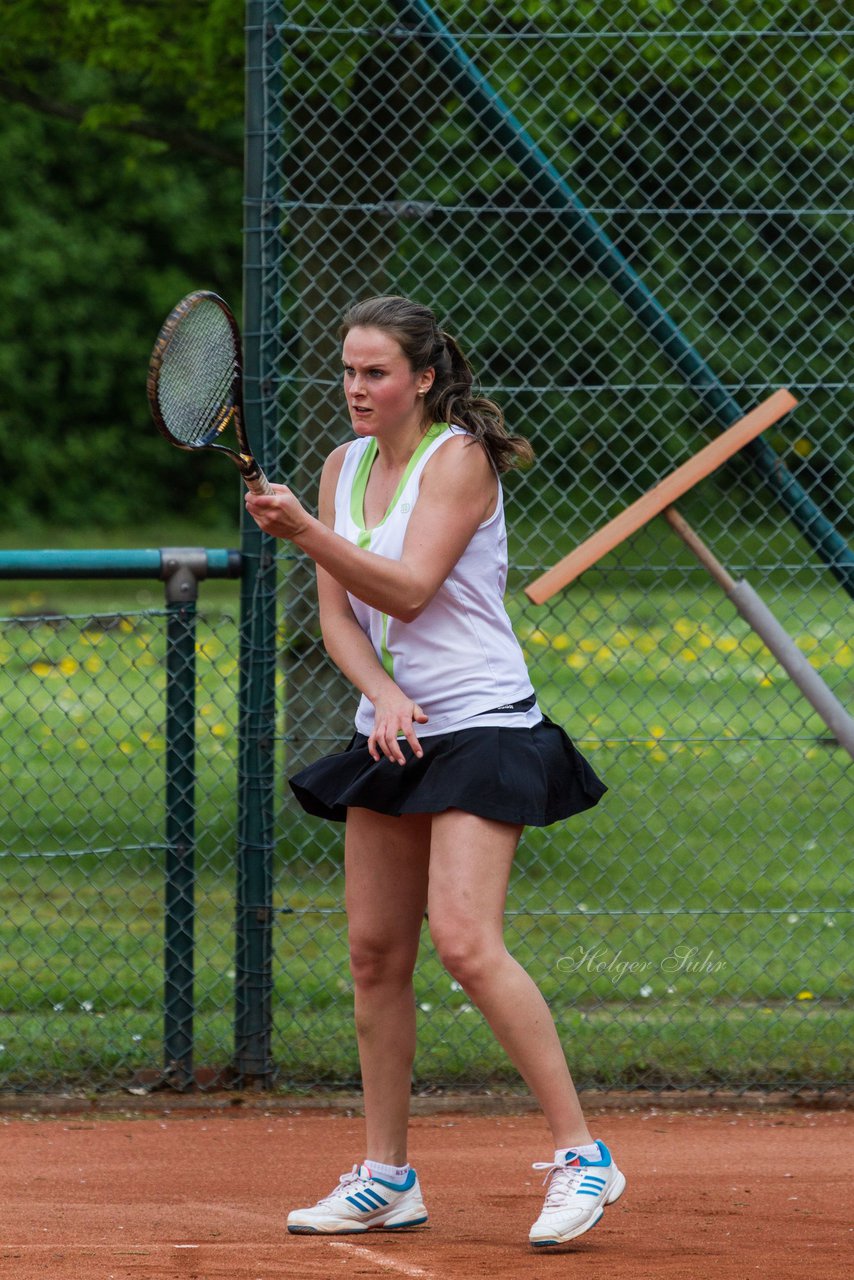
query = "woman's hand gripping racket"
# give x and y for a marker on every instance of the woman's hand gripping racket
(195, 382)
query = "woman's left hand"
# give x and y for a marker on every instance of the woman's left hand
(278, 513)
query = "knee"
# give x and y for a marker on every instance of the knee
(374, 963)
(465, 954)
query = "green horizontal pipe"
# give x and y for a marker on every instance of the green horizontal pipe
(497, 118)
(143, 563)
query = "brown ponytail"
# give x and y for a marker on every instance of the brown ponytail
(450, 398)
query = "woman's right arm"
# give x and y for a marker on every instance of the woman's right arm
(351, 650)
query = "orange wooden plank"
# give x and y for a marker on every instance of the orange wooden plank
(661, 495)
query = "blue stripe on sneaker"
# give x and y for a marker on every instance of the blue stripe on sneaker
(361, 1201)
(375, 1198)
(591, 1186)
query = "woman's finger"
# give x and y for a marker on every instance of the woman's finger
(392, 748)
(388, 741)
(412, 738)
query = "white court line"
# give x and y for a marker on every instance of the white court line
(381, 1259)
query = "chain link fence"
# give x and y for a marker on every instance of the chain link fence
(633, 216)
(92, 878)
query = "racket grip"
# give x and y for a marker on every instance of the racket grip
(257, 482)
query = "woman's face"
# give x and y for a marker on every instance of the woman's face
(384, 395)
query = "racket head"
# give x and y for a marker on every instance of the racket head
(195, 381)
(195, 373)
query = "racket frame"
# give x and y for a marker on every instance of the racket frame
(242, 458)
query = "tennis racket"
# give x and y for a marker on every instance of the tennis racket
(195, 382)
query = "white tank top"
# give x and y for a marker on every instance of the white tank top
(459, 658)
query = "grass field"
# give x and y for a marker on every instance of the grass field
(689, 931)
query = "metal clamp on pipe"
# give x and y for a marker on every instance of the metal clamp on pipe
(182, 569)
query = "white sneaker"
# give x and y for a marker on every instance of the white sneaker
(578, 1191)
(362, 1202)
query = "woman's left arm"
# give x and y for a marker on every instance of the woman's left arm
(457, 493)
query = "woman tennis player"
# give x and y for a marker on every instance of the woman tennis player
(451, 757)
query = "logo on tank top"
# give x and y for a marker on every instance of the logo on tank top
(405, 507)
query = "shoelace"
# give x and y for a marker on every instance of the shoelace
(345, 1180)
(559, 1186)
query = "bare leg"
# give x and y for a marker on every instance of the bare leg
(386, 862)
(470, 863)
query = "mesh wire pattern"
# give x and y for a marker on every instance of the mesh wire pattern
(635, 220)
(84, 847)
(692, 931)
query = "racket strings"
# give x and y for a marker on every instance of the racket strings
(195, 388)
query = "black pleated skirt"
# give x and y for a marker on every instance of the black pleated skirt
(524, 776)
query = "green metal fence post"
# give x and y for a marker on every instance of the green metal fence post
(181, 569)
(256, 765)
(254, 943)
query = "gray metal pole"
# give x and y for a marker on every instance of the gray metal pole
(753, 609)
(794, 663)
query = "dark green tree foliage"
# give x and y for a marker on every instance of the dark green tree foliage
(158, 70)
(120, 149)
(97, 245)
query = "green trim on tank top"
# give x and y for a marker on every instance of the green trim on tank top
(360, 482)
(387, 655)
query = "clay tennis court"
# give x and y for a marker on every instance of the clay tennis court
(200, 1194)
